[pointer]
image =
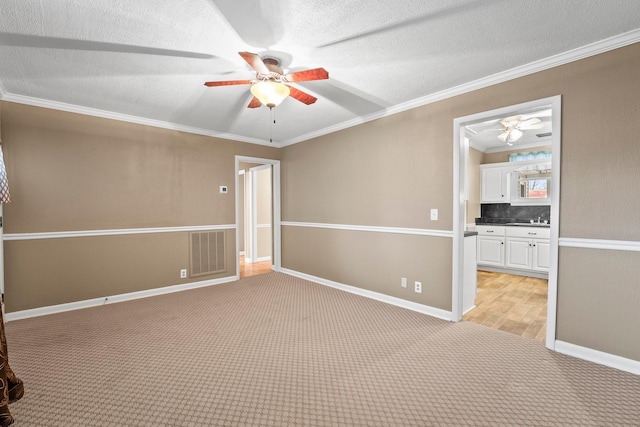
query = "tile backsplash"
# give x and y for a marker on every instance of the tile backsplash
(504, 212)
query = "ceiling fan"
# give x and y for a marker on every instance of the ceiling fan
(513, 126)
(270, 86)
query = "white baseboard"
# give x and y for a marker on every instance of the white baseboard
(420, 308)
(77, 305)
(599, 357)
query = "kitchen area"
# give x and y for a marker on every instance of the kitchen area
(509, 207)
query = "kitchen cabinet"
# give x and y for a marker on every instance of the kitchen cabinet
(541, 255)
(521, 183)
(494, 184)
(527, 248)
(490, 247)
(520, 249)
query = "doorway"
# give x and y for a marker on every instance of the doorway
(461, 197)
(257, 216)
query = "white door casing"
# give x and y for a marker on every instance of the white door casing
(460, 154)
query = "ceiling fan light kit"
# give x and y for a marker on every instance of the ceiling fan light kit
(270, 93)
(510, 135)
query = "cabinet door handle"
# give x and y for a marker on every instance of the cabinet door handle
(531, 234)
(489, 231)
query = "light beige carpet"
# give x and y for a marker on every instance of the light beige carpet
(274, 350)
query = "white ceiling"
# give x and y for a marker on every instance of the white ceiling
(146, 60)
(483, 136)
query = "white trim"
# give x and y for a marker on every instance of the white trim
(592, 49)
(77, 305)
(371, 228)
(263, 225)
(595, 356)
(420, 308)
(616, 245)
(114, 232)
(458, 205)
(262, 259)
(276, 256)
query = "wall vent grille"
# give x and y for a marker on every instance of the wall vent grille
(207, 252)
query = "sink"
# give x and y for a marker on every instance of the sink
(526, 224)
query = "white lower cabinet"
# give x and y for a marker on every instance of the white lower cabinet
(518, 253)
(541, 255)
(490, 245)
(527, 248)
(514, 247)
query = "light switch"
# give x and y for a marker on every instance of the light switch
(434, 214)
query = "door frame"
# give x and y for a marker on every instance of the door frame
(276, 262)
(253, 212)
(460, 157)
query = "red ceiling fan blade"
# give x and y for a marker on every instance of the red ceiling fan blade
(255, 103)
(255, 62)
(301, 96)
(229, 83)
(308, 75)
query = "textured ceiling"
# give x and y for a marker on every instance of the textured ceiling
(147, 60)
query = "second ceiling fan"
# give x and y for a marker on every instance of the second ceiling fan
(270, 85)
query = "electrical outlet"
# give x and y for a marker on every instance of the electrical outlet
(418, 287)
(403, 282)
(183, 273)
(434, 214)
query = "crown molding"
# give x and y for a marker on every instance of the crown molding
(592, 49)
(72, 108)
(577, 54)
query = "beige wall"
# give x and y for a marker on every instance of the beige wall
(598, 300)
(70, 172)
(373, 261)
(391, 171)
(46, 272)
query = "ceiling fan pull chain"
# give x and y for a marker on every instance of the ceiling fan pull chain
(273, 117)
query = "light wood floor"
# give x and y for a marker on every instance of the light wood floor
(511, 303)
(253, 269)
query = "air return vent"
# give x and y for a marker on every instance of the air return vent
(207, 252)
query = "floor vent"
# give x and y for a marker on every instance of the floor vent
(207, 253)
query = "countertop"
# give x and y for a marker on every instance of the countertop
(470, 233)
(516, 222)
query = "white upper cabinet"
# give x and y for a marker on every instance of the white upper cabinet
(494, 184)
(518, 183)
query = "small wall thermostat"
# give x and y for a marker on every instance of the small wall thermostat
(224, 189)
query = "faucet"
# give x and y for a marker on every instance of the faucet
(538, 220)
